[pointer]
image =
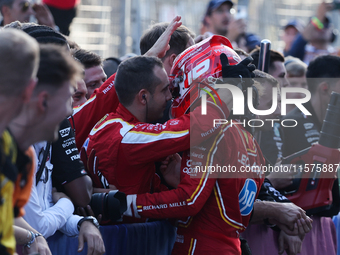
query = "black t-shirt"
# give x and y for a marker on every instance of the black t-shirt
(306, 133)
(67, 165)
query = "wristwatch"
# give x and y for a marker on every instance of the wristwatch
(88, 218)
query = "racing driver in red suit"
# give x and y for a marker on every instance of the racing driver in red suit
(214, 205)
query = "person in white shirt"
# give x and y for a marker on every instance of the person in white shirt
(39, 121)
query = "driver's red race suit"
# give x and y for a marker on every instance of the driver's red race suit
(218, 200)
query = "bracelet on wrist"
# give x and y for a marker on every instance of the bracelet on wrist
(33, 237)
(317, 23)
(29, 243)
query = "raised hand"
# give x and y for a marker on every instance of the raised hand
(43, 15)
(161, 46)
(242, 73)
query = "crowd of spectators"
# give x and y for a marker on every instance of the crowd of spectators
(75, 128)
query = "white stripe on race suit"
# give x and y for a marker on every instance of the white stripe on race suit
(142, 137)
(77, 109)
(131, 206)
(223, 208)
(126, 126)
(194, 247)
(208, 172)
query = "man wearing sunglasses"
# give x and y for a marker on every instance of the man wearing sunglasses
(21, 10)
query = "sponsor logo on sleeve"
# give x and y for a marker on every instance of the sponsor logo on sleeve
(65, 132)
(308, 125)
(247, 196)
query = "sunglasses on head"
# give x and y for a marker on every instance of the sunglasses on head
(25, 6)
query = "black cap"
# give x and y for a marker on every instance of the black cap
(252, 41)
(214, 4)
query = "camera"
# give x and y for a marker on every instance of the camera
(110, 205)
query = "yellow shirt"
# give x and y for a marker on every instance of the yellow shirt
(8, 174)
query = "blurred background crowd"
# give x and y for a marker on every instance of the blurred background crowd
(114, 28)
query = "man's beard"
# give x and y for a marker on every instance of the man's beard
(221, 31)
